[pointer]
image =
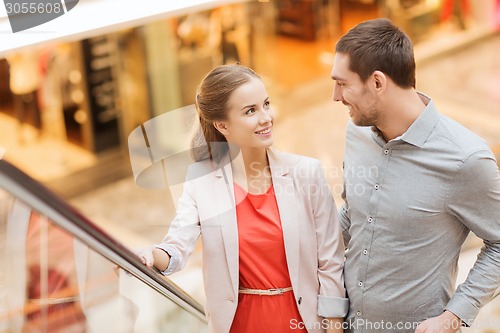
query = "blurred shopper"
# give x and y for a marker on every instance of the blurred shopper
(436, 181)
(25, 78)
(458, 10)
(497, 15)
(272, 246)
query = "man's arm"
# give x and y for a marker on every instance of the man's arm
(475, 200)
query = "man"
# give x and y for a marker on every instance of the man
(416, 183)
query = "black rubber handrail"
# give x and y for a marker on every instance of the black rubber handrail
(37, 196)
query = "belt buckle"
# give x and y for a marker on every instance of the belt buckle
(278, 291)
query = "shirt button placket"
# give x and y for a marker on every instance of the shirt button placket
(369, 227)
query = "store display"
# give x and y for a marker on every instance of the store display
(5, 93)
(99, 58)
(296, 18)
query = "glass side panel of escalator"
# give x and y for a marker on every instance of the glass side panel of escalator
(50, 281)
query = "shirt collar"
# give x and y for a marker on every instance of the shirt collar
(422, 127)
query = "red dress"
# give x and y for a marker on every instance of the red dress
(262, 266)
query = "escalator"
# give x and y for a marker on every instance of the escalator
(59, 272)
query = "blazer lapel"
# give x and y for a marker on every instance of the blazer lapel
(225, 202)
(287, 205)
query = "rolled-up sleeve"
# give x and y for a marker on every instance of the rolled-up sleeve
(332, 307)
(175, 257)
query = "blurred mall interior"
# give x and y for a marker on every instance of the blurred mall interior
(67, 107)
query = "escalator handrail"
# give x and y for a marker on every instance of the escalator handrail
(37, 196)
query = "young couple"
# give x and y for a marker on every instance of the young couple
(274, 257)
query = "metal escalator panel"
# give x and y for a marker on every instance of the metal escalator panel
(55, 278)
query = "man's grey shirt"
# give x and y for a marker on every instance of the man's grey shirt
(409, 205)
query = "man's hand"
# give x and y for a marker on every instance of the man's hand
(447, 322)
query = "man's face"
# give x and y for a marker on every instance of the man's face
(353, 93)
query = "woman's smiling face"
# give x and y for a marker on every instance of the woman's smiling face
(250, 117)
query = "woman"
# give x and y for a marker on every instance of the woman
(272, 246)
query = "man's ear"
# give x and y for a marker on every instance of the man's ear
(379, 81)
(221, 126)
